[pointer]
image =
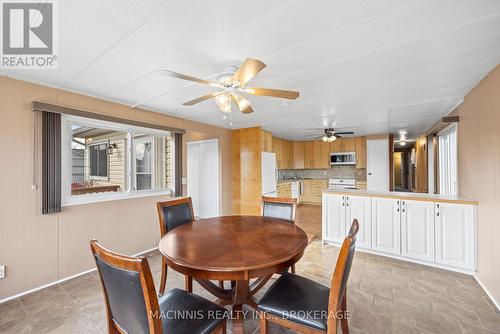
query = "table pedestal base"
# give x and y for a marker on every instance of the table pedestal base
(241, 293)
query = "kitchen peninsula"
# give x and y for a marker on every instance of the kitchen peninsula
(431, 229)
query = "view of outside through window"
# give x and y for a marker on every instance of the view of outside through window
(99, 161)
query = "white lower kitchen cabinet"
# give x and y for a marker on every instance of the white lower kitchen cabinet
(334, 218)
(441, 234)
(386, 227)
(360, 208)
(417, 230)
(455, 235)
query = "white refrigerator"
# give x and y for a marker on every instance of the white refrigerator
(269, 174)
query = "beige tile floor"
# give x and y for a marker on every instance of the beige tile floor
(384, 295)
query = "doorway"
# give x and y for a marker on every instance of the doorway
(203, 177)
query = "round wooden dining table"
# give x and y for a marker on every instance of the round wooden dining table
(235, 249)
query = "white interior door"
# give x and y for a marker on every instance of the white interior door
(377, 173)
(203, 177)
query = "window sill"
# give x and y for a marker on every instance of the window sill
(90, 199)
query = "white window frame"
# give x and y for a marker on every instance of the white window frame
(129, 192)
(445, 187)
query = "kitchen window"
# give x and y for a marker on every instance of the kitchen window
(106, 161)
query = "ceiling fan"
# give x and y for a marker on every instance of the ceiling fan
(232, 84)
(330, 134)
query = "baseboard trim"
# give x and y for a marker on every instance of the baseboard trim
(497, 305)
(24, 293)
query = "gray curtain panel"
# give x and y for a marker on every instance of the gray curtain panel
(51, 162)
(178, 164)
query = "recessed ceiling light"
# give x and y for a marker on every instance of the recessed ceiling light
(230, 123)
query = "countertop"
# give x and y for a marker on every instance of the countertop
(403, 195)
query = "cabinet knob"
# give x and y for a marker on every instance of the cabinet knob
(369, 173)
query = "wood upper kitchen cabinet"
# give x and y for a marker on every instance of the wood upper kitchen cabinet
(298, 154)
(348, 144)
(325, 155)
(360, 152)
(288, 154)
(267, 141)
(317, 154)
(308, 155)
(277, 144)
(336, 146)
(343, 145)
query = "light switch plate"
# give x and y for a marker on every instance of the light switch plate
(184, 180)
(2, 271)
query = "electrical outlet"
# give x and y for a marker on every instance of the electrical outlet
(2, 271)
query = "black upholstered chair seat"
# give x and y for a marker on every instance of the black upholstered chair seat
(298, 299)
(176, 304)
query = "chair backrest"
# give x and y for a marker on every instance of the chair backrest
(129, 291)
(282, 208)
(341, 275)
(174, 213)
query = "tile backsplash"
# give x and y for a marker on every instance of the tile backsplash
(345, 172)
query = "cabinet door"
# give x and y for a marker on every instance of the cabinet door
(417, 230)
(325, 155)
(277, 148)
(360, 152)
(298, 154)
(334, 217)
(455, 235)
(308, 155)
(386, 218)
(360, 208)
(348, 144)
(336, 146)
(317, 154)
(305, 196)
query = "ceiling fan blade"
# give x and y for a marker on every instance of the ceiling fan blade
(243, 104)
(189, 78)
(248, 70)
(284, 94)
(201, 98)
(344, 133)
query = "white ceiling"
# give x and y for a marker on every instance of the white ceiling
(361, 65)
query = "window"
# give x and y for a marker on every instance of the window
(448, 182)
(103, 160)
(98, 160)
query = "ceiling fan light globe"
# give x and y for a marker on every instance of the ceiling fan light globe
(325, 139)
(222, 100)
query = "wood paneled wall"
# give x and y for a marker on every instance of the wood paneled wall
(247, 172)
(40, 249)
(479, 172)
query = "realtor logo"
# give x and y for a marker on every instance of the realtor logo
(28, 35)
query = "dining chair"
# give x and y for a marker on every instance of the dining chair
(133, 307)
(306, 306)
(282, 208)
(172, 214)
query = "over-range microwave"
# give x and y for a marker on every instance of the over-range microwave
(343, 158)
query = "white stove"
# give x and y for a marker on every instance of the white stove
(342, 183)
